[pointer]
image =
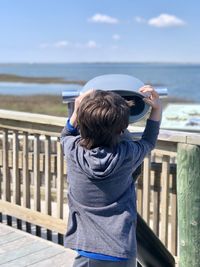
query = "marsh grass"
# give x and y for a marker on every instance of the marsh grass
(43, 104)
(50, 105)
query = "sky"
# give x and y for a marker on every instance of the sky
(99, 31)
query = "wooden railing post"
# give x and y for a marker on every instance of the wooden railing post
(36, 171)
(188, 192)
(26, 181)
(48, 180)
(6, 176)
(146, 188)
(16, 178)
(165, 199)
(60, 186)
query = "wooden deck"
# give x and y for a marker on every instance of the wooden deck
(18, 248)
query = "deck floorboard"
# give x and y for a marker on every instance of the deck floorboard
(18, 248)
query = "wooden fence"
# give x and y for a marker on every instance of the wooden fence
(33, 183)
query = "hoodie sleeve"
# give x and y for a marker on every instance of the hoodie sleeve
(151, 132)
(147, 143)
(68, 137)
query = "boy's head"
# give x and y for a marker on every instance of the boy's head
(102, 116)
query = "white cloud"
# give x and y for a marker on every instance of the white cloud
(101, 18)
(91, 44)
(166, 20)
(61, 44)
(116, 37)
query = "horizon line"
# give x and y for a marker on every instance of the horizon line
(101, 62)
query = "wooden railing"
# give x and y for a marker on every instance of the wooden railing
(32, 175)
(32, 165)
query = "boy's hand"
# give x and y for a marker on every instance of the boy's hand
(73, 119)
(80, 98)
(151, 97)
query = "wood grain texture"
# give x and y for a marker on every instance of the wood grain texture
(31, 216)
(60, 181)
(31, 250)
(26, 183)
(146, 188)
(6, 176)
(165, 199)
(188, 190)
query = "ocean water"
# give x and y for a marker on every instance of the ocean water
(182, 80)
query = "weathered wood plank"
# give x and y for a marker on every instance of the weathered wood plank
(193, 139)
(31, 250)
(12, 236)
(15, 176)
(23, 251)
(36, 177)
(6, 176)
(32, 117)
(47, 151)
(30, 157)
(32, 128)
(26, 182)
(165, 199)
(35, 217)
(47, 176)
(146, 188)
(5, 230)
(173, 215)
(156, 201)
(188, 193)
(37, 201)
(37, 258)
(25, 177)
(13, 244)
(60, 181)
(59, 260)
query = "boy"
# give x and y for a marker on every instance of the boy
(101, 161)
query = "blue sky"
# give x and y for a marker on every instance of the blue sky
(99, 30)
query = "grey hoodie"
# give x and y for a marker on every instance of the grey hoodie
(101, 194)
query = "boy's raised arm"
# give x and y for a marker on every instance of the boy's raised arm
(73, 119)
(151, 97)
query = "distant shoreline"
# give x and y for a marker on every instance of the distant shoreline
(12, 78)
(102, 62)
(42, 80)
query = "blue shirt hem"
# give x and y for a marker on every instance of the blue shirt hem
(99, 256)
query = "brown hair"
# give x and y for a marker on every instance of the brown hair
(102, 116)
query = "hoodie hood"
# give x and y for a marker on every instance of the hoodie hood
(100, 162)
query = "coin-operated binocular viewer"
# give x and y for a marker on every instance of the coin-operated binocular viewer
(125, 85)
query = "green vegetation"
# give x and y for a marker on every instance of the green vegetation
(43, 104)
(47, 104)
(42, 80)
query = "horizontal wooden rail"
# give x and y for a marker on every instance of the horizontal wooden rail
(52, 125)
(31, 123)
(34, 217)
